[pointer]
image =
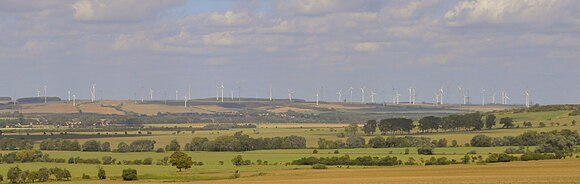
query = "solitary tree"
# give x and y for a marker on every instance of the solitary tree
(180, 160)
(507, 122)
(102, 175)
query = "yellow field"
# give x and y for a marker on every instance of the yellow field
(99, 109)
(546, 171)
(50, 107)
(286, 109)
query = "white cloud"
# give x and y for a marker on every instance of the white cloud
(230, 18)
(219, 38)
(120, 11)
(510, 11)
(366, 46)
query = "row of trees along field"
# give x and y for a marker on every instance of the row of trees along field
(236, 142)
(455, 122)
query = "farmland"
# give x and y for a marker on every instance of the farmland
(275, 165)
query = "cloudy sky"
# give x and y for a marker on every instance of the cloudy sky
(129, 46)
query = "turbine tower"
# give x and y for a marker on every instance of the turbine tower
(151, 94)
(350, 89)
(372, 96)
(270, 91)
(493, 98)
(68, 99)
(185, 101)
(460, 87)
(362, 89)
(339, 93)
(222, 88)
(44, 93)
(527, 95)
(482, 97)
(37, 92)
(441, 95)
(74, 96)
(290, 95)
(176, 95)
(317, 95)
(189, 93)
(94, 93)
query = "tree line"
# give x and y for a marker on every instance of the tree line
(243, 142)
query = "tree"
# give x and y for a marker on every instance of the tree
(481, 141)
(507, 122)
(106, 147)
(351, 129)
(13, 174)
(102, 175)
(370, 127)
(425, 150)
(173, 146)
(129, 174)
(573, 124)
(355, 142)
(43, 174)
(180, 160)
(238, 160)
(123, 147)
(429, 123)
(490, 121)
(92, 145)
(33, 176)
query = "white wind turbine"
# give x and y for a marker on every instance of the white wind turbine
(460, 87)
(217, 93)
(362, 89)
(339, 93)
(222, 88)
(185, 101)
(527, 95)
(68, 92)
(350, 89)
(151, 94)
(493, 98)
(441, 96)
(44, 93)
(290, 95)
(372, 96)
(37, 92)
(189, 93)
(482, 97)
(94, 93)
(74, 96)
(176, 95)
(232, 94)
(317, 95)
(271, 91)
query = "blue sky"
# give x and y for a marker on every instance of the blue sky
(129, 46)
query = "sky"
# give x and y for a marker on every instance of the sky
(127, 47)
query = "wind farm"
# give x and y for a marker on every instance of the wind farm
(290, 91)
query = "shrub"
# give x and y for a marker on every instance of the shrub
(481, 141)
(86, 177)
(319, 166)
(472, 152)
(315, 151)
(336, 152)
(129, 174)
(425, 150)
(101, 175)
(160, 150)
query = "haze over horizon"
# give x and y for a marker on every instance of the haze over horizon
(129, 46)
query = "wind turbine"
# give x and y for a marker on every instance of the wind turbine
(411, 95)
(482, 97)
(317, 95)
(176, 95)
(94, 93)
(362, 89)
(527, 95)
(189, 93)
(185, 101)
(217, 93)
(270, 91)
(151, 94)
(44, 93)
(350, 89)
(460, 87)
(493, 98)
(339, 93)
(372, 96)
(37, 92)
(222, 88)
(74, 96)
(290, 95)
(68, 99)
(232, 94)
(441, 96)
